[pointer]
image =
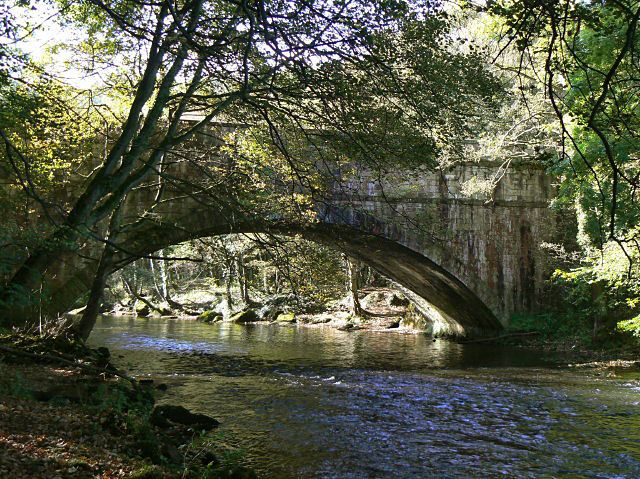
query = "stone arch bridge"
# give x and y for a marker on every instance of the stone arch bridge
(468, 263)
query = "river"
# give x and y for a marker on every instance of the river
(302, 402)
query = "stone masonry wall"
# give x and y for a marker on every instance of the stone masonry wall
(492, 244)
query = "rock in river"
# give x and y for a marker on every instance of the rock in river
(165, 414)
(210, 316)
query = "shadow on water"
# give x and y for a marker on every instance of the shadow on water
(321, 403)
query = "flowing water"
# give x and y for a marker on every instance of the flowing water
(319, 403)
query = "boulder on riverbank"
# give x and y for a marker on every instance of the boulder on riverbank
(209, 316)
(245, 316)
(269, 312)
(349, 327)
(142, 310)
(398, 299)
(322, 318)
(374, 299)
(414, 319)
(286, 318)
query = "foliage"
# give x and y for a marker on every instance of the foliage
(584, 53)
(309, 269)
(563, 327)
(630, 326)
(603, 289)
(269, 265)
(597, 303)
(48, 134)
(369, 82)
(48, 137)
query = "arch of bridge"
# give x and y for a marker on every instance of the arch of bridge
(451, 306)
(484, 264)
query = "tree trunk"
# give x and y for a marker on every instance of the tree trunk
(88, 320)
(117, 175)
(265, 280)
(132, 291)
(161, 285)
(153, 276)
(354, 286)
(227, 290)
(243, 281)
(21, 299)
(277, 282)
(599, 302)
(162, 267)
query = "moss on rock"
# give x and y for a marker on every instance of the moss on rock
(245, 316)
(286, 318)
(209, 316)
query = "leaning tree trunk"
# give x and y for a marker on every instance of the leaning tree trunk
(88, 320)
(125, 166)
(138, 297)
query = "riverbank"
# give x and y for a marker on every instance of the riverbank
(382, 309)
(66, 412)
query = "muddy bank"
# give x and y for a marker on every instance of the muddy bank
(615, 352)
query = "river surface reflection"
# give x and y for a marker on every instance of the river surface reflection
(321, 403)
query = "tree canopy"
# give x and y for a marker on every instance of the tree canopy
(313, 84)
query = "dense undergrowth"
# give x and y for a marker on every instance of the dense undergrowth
(582, 326)
(568, 332)
(592, 307)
